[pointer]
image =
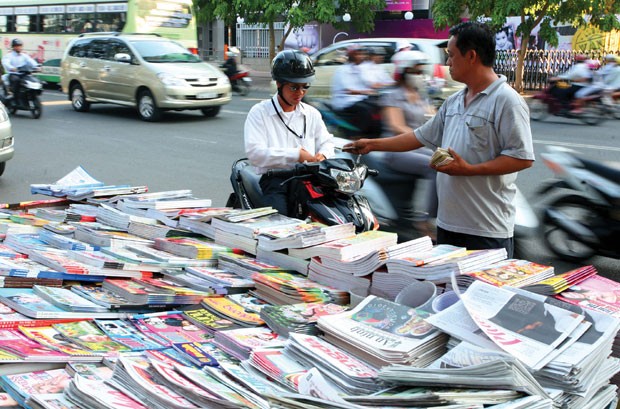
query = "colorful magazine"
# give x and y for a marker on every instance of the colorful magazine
(207, 320)
(596, 293)
(67, 299)
(169, 327)
(226, 308)
(86, 334)
(14, 342)
(125, 333)
(511, 272)
(51, 338)
(194, 352)
(22, 385)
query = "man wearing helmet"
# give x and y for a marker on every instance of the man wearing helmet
(486, 129)
(565, 86)
(13, 61)
(373, 71)
(282, 131)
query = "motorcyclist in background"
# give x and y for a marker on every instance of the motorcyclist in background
(566, 85)
(404, 109)
(375, 75)
(230, 66)
(12, 62)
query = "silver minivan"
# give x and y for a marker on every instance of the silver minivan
(7, 149)
(148, 72)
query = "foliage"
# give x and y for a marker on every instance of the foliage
(597, 13)
(295, 13)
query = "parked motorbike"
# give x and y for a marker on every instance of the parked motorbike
(26, 98)
(347, 126)
(392, 198)
(544, 103)
(331, 191)
(583, 217)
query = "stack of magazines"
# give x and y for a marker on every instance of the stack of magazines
(511, 272)
(290, 288)
(299, 318)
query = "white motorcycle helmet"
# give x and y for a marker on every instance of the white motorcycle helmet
(407, 59)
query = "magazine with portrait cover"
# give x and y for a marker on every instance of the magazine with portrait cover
(228, 309)
(205, 319)
(88, 335)
(169, 328)
(125, 333)
(596, 293)
(22, 385)
(241, 342)
(48, 336)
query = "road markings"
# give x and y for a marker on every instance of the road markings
(578, 145)
(228, 111)
(56, 102)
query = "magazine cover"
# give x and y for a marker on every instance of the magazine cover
(232, 310)
(248, 302)
(92, 371)
(49, 337)
(196, 353)
(102, 393)
(207, 320)
(173, 327)
(512, 272)
(125, 333)
(87, 334)
(17, 343)
(67, 299)
(22, 385)
(597, 293)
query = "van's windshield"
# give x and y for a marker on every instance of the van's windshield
(164, 52)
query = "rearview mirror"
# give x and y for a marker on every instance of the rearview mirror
(122, 57)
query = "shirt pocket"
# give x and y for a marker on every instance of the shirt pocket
(481, 130)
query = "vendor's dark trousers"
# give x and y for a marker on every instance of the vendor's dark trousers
(474, 242)
(274, 194)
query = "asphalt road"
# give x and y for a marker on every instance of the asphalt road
(188, 151)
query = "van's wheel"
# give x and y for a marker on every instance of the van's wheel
(2, 167)
(211, 111)
(147, 108)
(78, 98)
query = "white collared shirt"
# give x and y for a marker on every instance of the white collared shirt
(349, 77)
(12, 61)
(269, 144)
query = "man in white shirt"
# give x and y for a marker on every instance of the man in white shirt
(282, 131)
(13, 61)
(354, 99)
(375, 74)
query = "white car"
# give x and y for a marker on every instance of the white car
(327, 60)
(6, 139)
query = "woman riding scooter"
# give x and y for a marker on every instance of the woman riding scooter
(404, 109)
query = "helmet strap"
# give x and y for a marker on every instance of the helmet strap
(281, 96)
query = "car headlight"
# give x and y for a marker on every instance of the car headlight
(4, 116)
(349, 181)
(223, 81)
(171, 80)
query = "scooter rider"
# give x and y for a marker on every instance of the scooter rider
(282, 130)
(13, 61)
(230, 66)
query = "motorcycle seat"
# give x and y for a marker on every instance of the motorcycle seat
(602, 170)
(251, 184)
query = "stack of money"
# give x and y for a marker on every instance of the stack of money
(441, 157)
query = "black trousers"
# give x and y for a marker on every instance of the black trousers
(275, 194)
(474, 242)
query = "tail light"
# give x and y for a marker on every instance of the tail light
(193, 50)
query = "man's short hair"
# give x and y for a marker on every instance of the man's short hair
(472, 35)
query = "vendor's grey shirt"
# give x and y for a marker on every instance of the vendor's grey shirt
(496, 122)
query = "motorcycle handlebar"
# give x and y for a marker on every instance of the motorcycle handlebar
(373, 172)
(282, 172)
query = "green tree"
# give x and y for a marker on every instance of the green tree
(296, 13)
(596, 13)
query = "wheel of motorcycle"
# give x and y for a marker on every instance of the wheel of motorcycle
(147, 107)
(78, 98)
(244, 88)
(538, 109)
(576, 209)
(593, 113)
(36, 108)
(211, 112)
(12, 110)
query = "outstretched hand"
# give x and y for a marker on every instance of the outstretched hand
(359, 147)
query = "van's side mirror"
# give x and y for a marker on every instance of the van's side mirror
(123, 57)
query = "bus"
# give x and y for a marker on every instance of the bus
(47, 26)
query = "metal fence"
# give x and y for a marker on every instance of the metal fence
(253, 39)
(540, 65)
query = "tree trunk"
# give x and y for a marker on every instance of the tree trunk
(520, 63)
(272, 41)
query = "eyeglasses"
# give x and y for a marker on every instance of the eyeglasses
(295, 88)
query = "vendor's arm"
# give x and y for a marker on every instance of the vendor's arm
(400, 143)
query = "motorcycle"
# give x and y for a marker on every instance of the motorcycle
(544, 103)
(392, 198)
(26, 98)
(583, 217)
(347, 126)
(329, 191)
(241, 82)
